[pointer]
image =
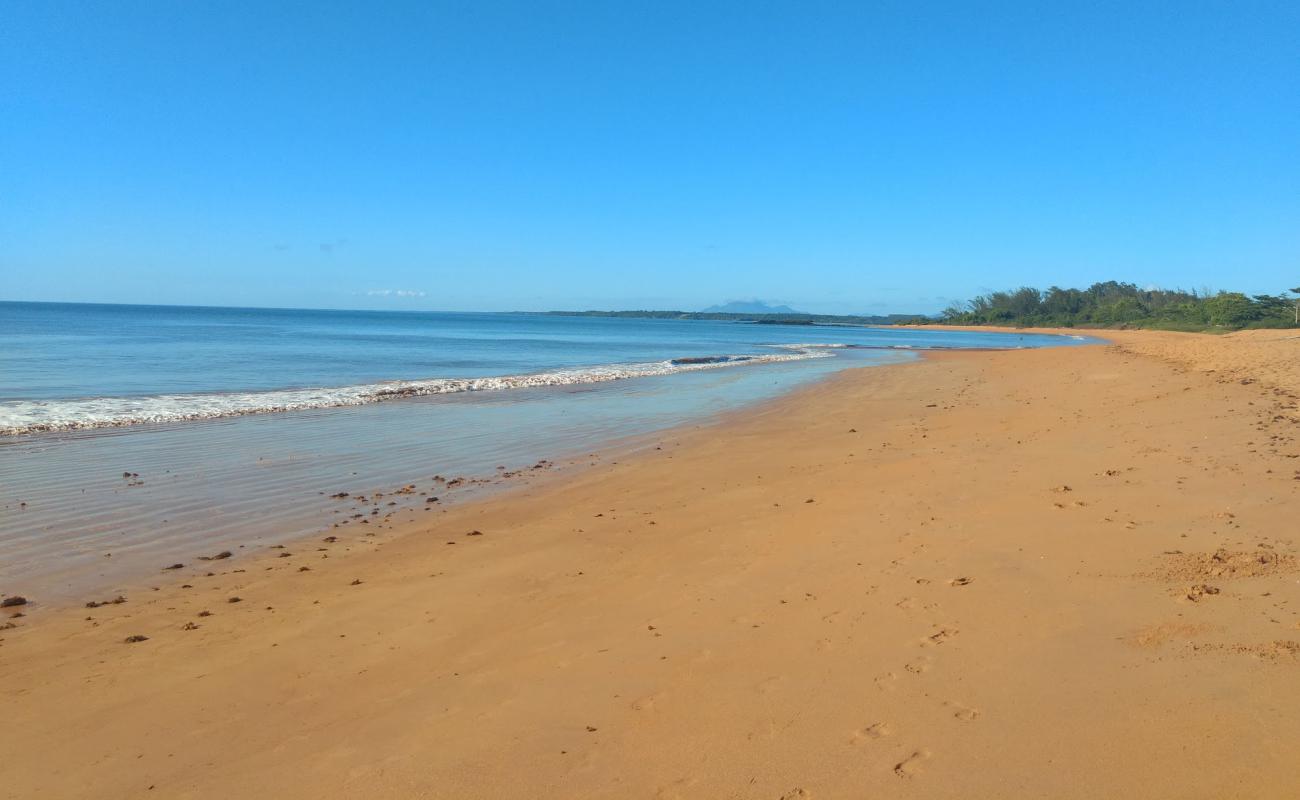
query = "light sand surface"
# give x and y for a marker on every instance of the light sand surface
(1057, 573)
(1270, 357)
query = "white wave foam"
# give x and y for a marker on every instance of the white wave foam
(29, 416)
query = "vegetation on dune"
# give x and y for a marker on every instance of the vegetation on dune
(1113, 305)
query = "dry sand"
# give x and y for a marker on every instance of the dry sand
(1055, 573)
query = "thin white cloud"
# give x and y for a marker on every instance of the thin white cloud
(395, 293)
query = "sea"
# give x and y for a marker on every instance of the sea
(135, 437)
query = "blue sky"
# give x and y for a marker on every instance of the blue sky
(840, 157)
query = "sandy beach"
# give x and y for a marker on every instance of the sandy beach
(1047, 573)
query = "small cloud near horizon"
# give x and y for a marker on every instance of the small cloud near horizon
(396, 293)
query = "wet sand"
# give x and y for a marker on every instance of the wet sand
(1048, 573)
(94, 511)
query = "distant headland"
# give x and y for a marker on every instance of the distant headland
(767, 318)
(1108, 304)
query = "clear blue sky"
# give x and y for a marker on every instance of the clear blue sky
(854, 157)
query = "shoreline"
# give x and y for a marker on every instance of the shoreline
(494, 486)
(875, 582)
(80, 570)
(473, 488)
(105, 414)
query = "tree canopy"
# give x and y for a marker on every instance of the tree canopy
(1114, 304)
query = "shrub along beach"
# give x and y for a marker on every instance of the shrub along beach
(1112, 304)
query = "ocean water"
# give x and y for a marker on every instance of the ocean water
(138, 436)
(72, 366)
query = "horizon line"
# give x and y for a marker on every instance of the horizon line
(446, 311)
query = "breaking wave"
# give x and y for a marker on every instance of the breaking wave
(30, 416)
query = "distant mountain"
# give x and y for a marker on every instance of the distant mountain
(749, 307)
(770, 315)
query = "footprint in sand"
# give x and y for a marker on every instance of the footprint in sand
(939, 637)
(919, 665)
(911, 766)
(797, 794)
(877, 731)
(963, 713)
(1199, 591)
(886, 682)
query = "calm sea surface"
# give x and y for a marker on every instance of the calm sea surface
(132, 437)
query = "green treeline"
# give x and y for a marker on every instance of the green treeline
(1113, 304)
